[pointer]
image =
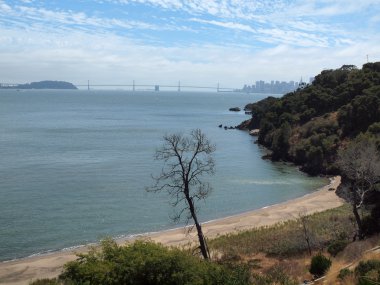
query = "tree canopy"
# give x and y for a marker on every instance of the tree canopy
(310, 125)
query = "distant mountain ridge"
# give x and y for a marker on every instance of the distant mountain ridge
(46, 84)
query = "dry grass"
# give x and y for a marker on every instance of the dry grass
(348, 280)
(371, 255)
(332, 275)
(350, 258)
(357, 250)
(287, 239)
(282, 247)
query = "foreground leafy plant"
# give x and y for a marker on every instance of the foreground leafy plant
(319, 265)
(368, 272)
(147, 263)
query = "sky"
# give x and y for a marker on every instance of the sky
(197, 42)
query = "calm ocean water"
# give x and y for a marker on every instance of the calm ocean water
(74, 165)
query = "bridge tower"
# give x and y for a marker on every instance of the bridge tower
(88, 85)
(179, 86)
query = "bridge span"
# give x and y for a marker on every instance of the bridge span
(158, 87)
(138, 87)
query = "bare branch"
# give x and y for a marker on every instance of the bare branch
(360, 167)
(186, 160)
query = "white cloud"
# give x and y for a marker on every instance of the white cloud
(4, 8)
(37, 43)
(59, 19)
(228, 25)
(292, 38)
(220, 8)
(375, 19)
(250, 9)
(330, 8)
(107, 58)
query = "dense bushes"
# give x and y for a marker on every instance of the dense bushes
(309, 125)
(337, 246)
(344, 273)
(361, 112)
(319, 265)
(368, 272)
(146, 263)
(365, 273)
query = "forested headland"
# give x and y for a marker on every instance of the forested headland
(309, 126)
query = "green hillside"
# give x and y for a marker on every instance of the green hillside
(309, 125)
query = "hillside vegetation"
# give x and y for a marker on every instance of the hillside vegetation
(274, 255)
(310, 125)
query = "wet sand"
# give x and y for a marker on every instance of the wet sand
(23, 271)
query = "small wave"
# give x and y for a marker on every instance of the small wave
(262, 182)
(51, 251)
(121, 238)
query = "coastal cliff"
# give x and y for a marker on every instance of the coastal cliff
(309, 126)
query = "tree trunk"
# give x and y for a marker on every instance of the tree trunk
(306, 233)
(201, 238)
(308, 243)
(202, 241)
(358, 221)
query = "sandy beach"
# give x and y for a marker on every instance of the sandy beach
(47, 266)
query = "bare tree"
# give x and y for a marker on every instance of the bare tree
(187, 159)
(303, 218)
(360, 166)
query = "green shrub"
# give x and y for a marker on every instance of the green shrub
(368, 272)
(343, 273)
(319, 265)
(374, 128)
(147, 263)
(337, 246)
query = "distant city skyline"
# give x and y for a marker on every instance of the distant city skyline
(194, 41)
(274, 86)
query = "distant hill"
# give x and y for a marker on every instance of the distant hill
(310, 125)
(47, 84)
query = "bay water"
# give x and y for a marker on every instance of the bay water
(74, 164)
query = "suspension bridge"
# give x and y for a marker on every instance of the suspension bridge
(138, 87)
(157, 87)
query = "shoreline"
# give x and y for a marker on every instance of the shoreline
(49, 265)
